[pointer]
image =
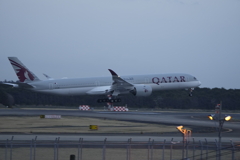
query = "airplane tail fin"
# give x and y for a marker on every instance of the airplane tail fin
(23, 73)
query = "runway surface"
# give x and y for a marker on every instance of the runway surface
(197, 121)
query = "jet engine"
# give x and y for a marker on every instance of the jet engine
(141, 90)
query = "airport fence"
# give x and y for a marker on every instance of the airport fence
(117, 150)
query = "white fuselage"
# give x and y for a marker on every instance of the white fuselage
(97, 85)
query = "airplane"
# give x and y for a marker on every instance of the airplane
(112, 86)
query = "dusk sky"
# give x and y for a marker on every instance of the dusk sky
(77, 38)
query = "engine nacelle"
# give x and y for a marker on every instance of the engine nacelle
(141, 90)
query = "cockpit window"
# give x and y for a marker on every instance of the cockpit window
(194, 78)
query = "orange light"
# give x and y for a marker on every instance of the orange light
(211, 117)
(179, 128)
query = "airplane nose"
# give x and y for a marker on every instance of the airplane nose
(199, 83)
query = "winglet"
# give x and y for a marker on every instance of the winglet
(112, 72)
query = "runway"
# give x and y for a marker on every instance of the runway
(194, 120)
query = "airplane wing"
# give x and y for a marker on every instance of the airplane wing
(119, 85)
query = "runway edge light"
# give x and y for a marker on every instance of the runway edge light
(211, 117)
(228, 118)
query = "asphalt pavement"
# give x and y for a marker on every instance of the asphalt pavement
(201, 126)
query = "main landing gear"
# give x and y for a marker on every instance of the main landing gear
(109, 100)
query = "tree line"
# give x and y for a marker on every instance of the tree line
(203, 98)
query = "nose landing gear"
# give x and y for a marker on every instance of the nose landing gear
(190, 92)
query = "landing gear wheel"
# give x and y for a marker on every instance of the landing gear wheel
(99, 100)
(108, 100)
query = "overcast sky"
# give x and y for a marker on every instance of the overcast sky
(82, 38)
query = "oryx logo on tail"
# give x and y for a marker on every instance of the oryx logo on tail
(22, 72)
